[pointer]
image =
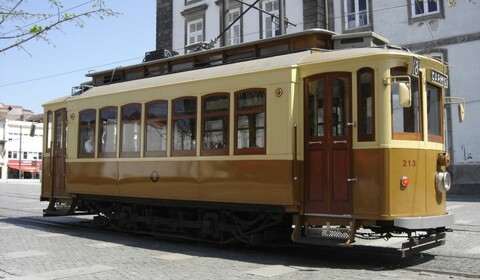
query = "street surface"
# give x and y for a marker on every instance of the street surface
(37, 247)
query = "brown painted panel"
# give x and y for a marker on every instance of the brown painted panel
(92, 178)
(316, 190)
(341, 189)
(407, 201)
(46, 177)
(255, 182)
(369, 190)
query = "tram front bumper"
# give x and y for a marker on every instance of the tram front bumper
(419, 223)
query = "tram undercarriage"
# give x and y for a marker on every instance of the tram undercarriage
(236, 225)
(214, 225)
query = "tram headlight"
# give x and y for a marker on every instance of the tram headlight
(405, 181)
(443, 181)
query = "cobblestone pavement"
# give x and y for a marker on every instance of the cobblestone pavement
(36, 247)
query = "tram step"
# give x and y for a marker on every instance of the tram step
(341, 233)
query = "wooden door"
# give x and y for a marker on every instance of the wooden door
(328, 144)
(59, 151)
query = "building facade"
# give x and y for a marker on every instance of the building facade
(21, 135)
(441, 28)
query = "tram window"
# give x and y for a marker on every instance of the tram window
(316, 104)
(48, 138)
(215, 112)
(156, 128)
(86, 133)
(366, 104)
(184, 126)
(406, 121)
(131, 130)
(250, 121)
(434, 116)
(107, 145)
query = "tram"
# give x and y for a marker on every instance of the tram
(314, 136)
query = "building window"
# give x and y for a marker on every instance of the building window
(86, 133)
(434, 113)
(234, 34)
(215, 112)
(25, 155)
(107, 146)
(356, 14)
(270, 25)
(195, 31)
(184, 126)
(406, 122)
(15, 155)
(9, 154)
(131, 130)
(425, 7)
(250, 107)
(156, 124)
(366, 104)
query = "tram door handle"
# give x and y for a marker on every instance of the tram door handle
(350, 180)
(315, 142)
(340, 142)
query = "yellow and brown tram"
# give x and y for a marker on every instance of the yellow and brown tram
(300, 136)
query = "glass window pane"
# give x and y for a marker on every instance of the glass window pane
(185, 125)
(250, 100)
(406, 119)
(215, 133)
(316, 96)
(49, 129)
(187, 106)
(86, 133)
(250, 120)
(432, 6)
(184, 134)
(434, 110)
(131, 115)
(156, 128)
(340, 106)
(108, 130)
(365, 105)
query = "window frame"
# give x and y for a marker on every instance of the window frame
(124, 121)
(175, 117)
(413, 136)
(102, 153)
(357, 13)
(414, 18)
(81, 152)
(265, 16)
(362, 135)
(205, 115)
(237, 113)
(163, 119)
(197, 32)
(229, 39)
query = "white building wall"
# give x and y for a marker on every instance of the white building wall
(251, 21)
(465, 82)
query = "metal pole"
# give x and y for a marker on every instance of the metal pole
(20, 154)
(281, 4)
